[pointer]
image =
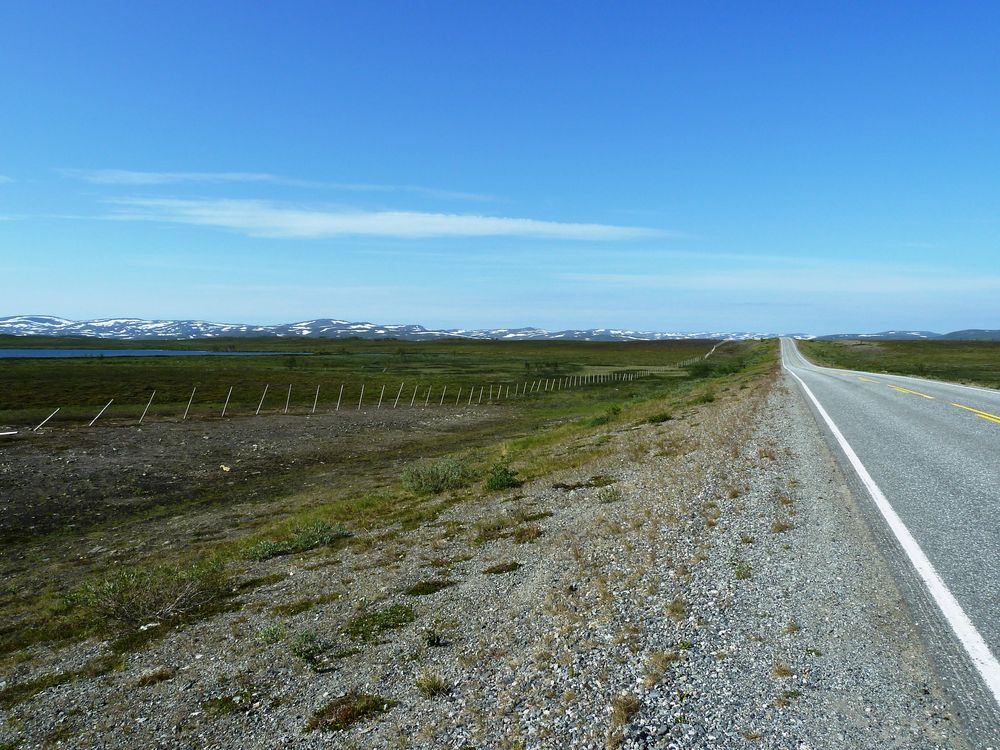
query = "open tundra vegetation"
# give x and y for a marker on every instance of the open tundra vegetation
(589, 563)
(972, 362)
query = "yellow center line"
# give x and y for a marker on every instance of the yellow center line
(984, 414)
(868, 380)
(907, 390)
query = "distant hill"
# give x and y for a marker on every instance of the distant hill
(972, 334)
(136, 329)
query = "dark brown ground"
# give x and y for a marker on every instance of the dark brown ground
(79, 478)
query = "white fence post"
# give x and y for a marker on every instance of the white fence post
(148, 403)
(361, 398)
(380, 395)
(315, 400)
(340, 396)
(189, 404)
(225, 405)
(46, 420)
(396, 402)
(262, 397)
(99, 414)
(288, 397)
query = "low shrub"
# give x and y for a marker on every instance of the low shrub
(299, 539)
(348, 709)
(501, 476)
(427, 477)
(368, 626)
(141, 595)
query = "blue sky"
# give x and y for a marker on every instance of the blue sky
(687, 166)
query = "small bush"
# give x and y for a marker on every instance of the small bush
(304, 605)
(368, 626)
(677, 608)
(610, 414)
(741, 569)
(137, 596)
(509, 567)
(432, 685)
(271, 633)
(609, 495)
(780, 526)
(660, 418)
(300, 539)
(525, 534)
(501, 476)
(347, 710)
(309, 647)
(424, 588)
(154, 676)
(427, 478)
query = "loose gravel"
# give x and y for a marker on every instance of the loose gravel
(708, 584)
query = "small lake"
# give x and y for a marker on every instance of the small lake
(64, 353)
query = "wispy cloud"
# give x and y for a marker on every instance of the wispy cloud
(266, 219)
(816, 278)
(4, 179)
(135, 178)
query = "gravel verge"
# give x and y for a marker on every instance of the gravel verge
(709, 584)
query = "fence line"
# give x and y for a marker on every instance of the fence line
(493, 393)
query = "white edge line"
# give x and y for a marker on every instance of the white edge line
(965, 631)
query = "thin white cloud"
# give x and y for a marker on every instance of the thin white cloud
(5, 180)
(135, 178)
(131, 177)
(818, 278)
(266, 219)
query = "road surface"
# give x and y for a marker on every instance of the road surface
(927, 454)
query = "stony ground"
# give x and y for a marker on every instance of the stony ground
(710, 584)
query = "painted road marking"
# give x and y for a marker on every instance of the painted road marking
(984, 414)
(977, 649)
(868, 380)
(907, 390)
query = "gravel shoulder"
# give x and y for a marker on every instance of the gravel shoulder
(711, 583)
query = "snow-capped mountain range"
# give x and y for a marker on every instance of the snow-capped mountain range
(136, 329)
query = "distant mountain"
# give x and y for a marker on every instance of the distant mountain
(972, 334)
(137, 329)
(884, 335)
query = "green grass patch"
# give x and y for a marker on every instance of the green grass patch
(347, 710)
(298, 539)
(369, 626)
(501, 568)
(425, 588)
(431, 477)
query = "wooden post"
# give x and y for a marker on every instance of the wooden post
(189, 404)
(288, 398)
(262, 399)
(340, 396)
(414, 396)
(428, 399)
(362, 397)
(47, 419)
(480, 395)
(442, 395)
(459, 396)
(99, 414)
(471, 391)
(225, 405)
(315, 400)
(508, 392)
(396, 402)
(148, 403)
(491, 392)
(380, 397)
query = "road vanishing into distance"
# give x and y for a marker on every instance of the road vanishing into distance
(928, 455)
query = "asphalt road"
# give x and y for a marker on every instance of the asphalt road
(932, 451)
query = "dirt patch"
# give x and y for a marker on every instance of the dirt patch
(79, 478)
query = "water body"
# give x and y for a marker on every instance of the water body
(64, 353)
